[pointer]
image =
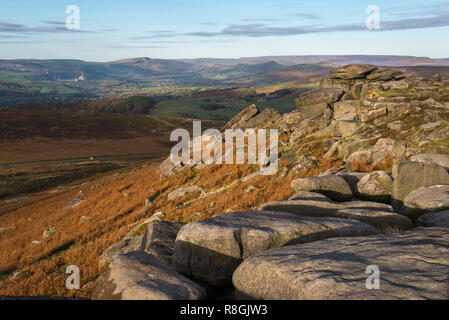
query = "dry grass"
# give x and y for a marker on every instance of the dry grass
(115, 203)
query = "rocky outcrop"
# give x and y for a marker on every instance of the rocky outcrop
(426, 199)
(435, 219)
(320, 208)
(376, 186)
(409, 176)
(332, 186)
(339, 268)
(125, 245)
(385, 221)
(439, 159)
(140, 276)
(159, 239)
(241, 118)
(210, 250)
(318, 96)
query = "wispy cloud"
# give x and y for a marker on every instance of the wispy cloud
(48, 27)
(265, 30)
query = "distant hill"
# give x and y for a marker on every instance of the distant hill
(31, 80)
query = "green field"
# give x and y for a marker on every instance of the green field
(191, 108)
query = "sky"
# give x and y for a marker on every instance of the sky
(170, 29)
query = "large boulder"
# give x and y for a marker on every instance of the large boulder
(159, 239)
(242, 117)
(210, 250)
(433, 198)
(412, 265)
(316, 96)
(376, 186)
(321, 208)
(385, 221)
(435, 219)
(345, 149)
(386, 147)
(140, 276)
(345, 107)
(383, 74)
(313, 111)
(126, 245)
(346, 128)
(332, 186)
(439, 159)
(409, 176)
(351, 71)
(266, 117)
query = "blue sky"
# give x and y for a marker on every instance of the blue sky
(112, 30)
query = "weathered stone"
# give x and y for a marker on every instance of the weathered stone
(318, 96)
(320, 208)
(312, 111)
(413, 265)
(125, 245)
(351, 71)
(140, 276)
(182, 192)
(346, 128)
(439, 159)
(210, 250)
(373, 114)
(49, 232)
(159, 239)
(307, 195)
(344, 107)
(242, 117)
(409, 176)
(433, 198)
(346, 117)
(434, 219)
(382, 74)
(266, 117)
(73, 204)
(333, 186)
(432, 125)
(395, 125)
(345, 149)
(385, 221)
(376, 186)
(358, 157)
(386, 147)
(158, 216)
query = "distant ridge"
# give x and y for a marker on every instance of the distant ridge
(383, 60)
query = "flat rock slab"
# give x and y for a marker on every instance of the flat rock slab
(409, 176)
(435, 219)
(210, 250)
(307, 195)
(439, 159)
(412, 265)
(332, 186)
(140, 276)
(159, 239)
(433, 198)
(321, 208)
(385, 221)
(123, 246)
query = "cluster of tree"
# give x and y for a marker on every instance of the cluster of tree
(130, 105)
